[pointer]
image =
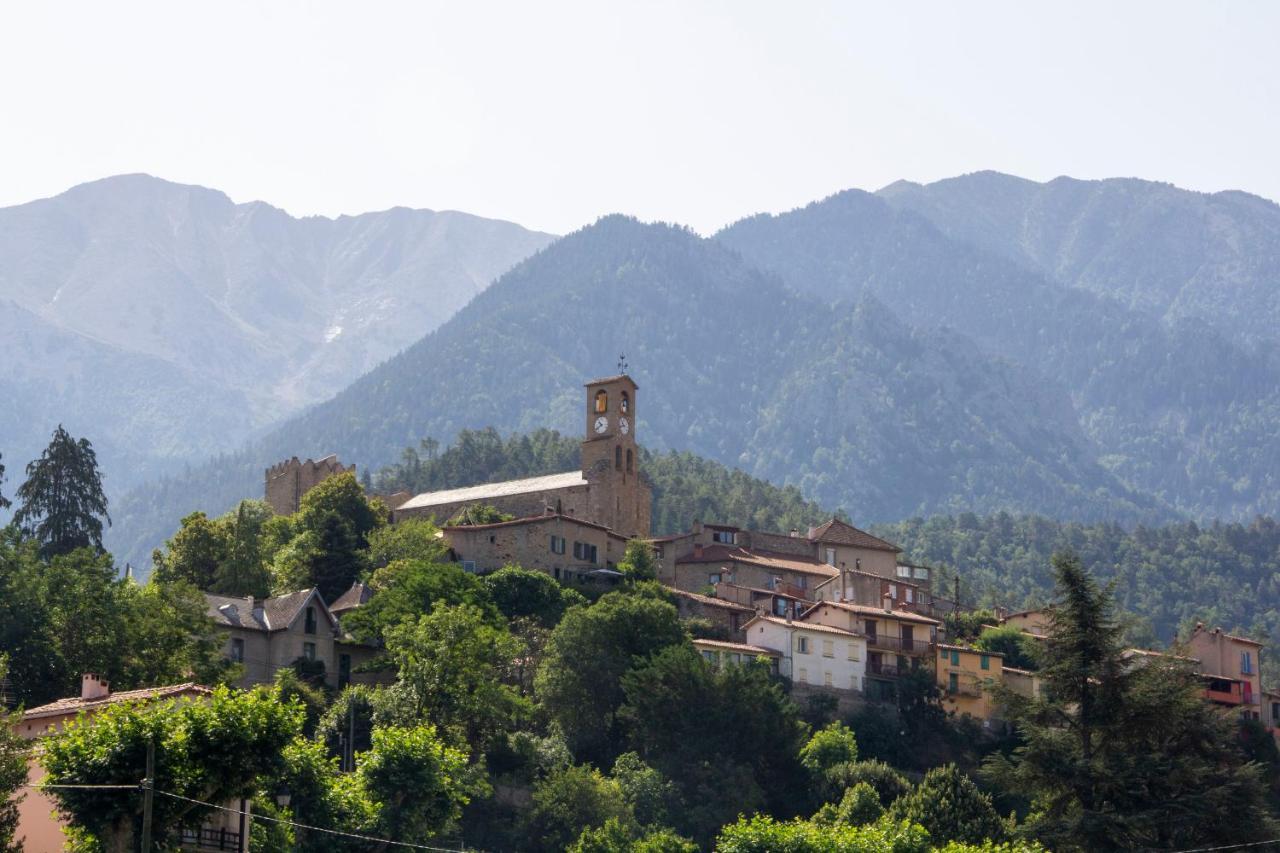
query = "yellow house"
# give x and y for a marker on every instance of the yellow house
(1030, 621)
(965, 677)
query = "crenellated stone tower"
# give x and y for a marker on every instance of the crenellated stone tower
(288, 481)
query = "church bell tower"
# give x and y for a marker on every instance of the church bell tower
(611, 457)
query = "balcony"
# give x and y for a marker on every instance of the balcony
(1227, 691)
(883, 670)
(971, 691)
(207, 838)
(897, 644)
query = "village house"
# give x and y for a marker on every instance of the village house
(39, 827)
(720, 654)
(567, 548)
(1034, 622)
(729, 616)
(897, 641)
(965, 676)
(1233, 667)
(811, 653)
(266, 635)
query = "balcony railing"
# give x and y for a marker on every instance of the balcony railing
(884, 670)
(208, 838)
(897, 644)
(972, 691)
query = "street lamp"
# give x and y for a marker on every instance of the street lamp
(283, 796)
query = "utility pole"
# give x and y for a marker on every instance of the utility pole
(148, 793)
(351, 737)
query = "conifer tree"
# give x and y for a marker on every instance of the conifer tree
(63, 505)
(4, 502)
(1120, 755)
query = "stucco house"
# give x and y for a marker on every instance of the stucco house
(811, 653)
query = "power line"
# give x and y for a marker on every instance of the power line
(1229, 846)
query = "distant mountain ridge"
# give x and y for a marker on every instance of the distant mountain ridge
(235, 314)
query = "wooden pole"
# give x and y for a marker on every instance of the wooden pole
(148, 794)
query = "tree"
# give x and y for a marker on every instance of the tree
(193, 555)
(1019, 650)
(710, 730)
(211, 750)
(406, 589)
(408, 539)
(475, 514)
(417, 782)
(4, 502)
(334, 523)
(763, 834)
(859, 806)
(1121, 756)
(638, 562)
(950, 806)
(828, 752)
(62, 502)
(651, 795)
(520, 592)
(887, 782)
(615, 836)
(13, 772)
(580, 679)
(244, 569)
(450, 664)
(571, 800)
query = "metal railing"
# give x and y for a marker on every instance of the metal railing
(897, 644)
(208, 838)
(885, 670)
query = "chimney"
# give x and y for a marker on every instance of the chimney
(697, 549)
(93, 687)
(888, 603)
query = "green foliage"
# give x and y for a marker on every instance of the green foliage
(418, 782)
(615, 836)
(406, 589)
(1116, 756)
(950, 807)
(5, 503)
(571, 800)
(966, 625)
(652, 797)
(332, 527)
(887, 782)
(211, 750)
(222, 556)
(523, 593)
(73, 614)
(763, 834)
(828, 747)
(62, 503)
(859, 806)
(710, 732)
(449, 666)
(475, 514)
(639, 562)
(579, 682)
(13, 771)
(408, 539)
(1019, 650)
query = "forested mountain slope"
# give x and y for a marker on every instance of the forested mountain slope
(1165, 251)
(1182, 412)
(857, 408)
(167, 322)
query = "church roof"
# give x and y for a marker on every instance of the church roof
(836, 531)
(488, 491)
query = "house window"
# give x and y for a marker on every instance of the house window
(1246, 663)
(557, 544)
(469, 566)
(779, 607)
(853, 682)
(826, 679)
(831, 556)
(802, 582)
(802, 645)
(602, 402)
(724, 537)
(953, 683)
(904, 571)
(828, 648)
(344, 671)
(709, 657)
(921, 573)
(853, 651)
(910, 593)
(237, 649)
(955, 657)
(311, 620)
(713, 579)
(309, 651)
(804, 676)
(625, 402)
(986, 662)
(1275, 710)
(869, 628)
(893, 591)
(584, 552)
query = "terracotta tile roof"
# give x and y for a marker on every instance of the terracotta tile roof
(736, 647)
(74, 704)
(1014, 671)
(950, 647)
(605, 379)
(804, 626)
(486, 491)
(838, 532)
(763, 559)
(351, 599)
(712, 601)
(1200, 629)
(868, 610)
(534, 519)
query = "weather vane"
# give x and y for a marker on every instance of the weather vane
(622, 363)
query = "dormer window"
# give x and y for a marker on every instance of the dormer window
(724, 537)
(626, 402)
(602, 402)
(310, 627)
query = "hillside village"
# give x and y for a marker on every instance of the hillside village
(831, 611)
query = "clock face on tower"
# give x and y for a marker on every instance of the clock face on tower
(602, 424)
(624, 426)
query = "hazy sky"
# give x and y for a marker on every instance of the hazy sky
(551, 114)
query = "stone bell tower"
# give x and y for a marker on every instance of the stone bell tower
(620, 498)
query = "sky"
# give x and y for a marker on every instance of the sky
(552, 114)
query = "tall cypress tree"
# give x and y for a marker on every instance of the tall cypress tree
(63, 505)
(4, 502)
(1120, 754)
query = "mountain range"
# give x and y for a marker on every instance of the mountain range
(983, 343)
(167, 322)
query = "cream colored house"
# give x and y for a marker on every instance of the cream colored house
(810, 653)
(897, 640)
(720, 654)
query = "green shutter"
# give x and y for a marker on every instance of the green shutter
(955, 657)
(986, 662)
